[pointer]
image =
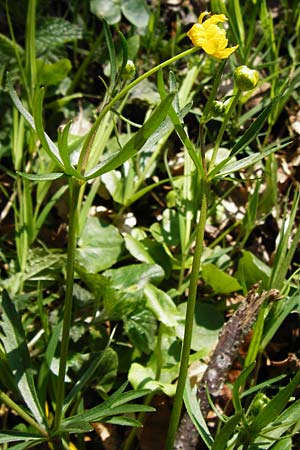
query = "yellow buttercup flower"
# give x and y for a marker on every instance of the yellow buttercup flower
(209, 36)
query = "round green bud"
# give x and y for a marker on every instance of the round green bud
(259, 402)
(129, 70)
(218, 108)
(245, 78)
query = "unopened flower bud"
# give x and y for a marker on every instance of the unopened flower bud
(129, 70)
(218, 108)
(245, 78)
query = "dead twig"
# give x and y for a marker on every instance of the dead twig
(226, 351)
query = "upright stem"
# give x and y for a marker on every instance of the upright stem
(189, 320)
(74, 195)
(20, 411)
(230, 109)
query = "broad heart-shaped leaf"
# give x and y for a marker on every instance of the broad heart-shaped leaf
(208, 322)
(55, 32)
(145, 377)
(161, 304)
(14, 342)
(53, 74)
(251, 270)
(134, 145)
(141, 328)
(99, 246)
(135, 12)
(167, 231)
(221, 282)
(109, 10)
(135, 276)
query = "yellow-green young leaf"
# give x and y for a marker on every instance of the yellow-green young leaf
(53, 74)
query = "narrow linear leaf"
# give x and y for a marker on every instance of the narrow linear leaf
(112, 55)
(41, 177)
(273, 432)
(14, 342)
(194, 411)
(226, 432)
(104, 415)
(45, 367)
(243, 163)
(240, 381)
(101, 358)
(252, 131)
(124, 421)
(36, 125)
(177, 123)
(275, 406)
(136, 142)
(110, 407)
(18, 104)
(64, 151)
(46, 142)
(15, 436)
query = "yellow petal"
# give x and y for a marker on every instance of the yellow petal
(221, 54)
(216, 18)
(197, 35)
(202, 15)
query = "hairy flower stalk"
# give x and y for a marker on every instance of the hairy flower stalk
(209, 36)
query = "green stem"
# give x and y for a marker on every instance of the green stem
(189, 320)
(84, 156)
(74, 195)
(231, 107)
(30, 56)
(12, 405)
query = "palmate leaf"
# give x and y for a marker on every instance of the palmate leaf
(14, 342)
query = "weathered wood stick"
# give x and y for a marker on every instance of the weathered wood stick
(231, 337)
